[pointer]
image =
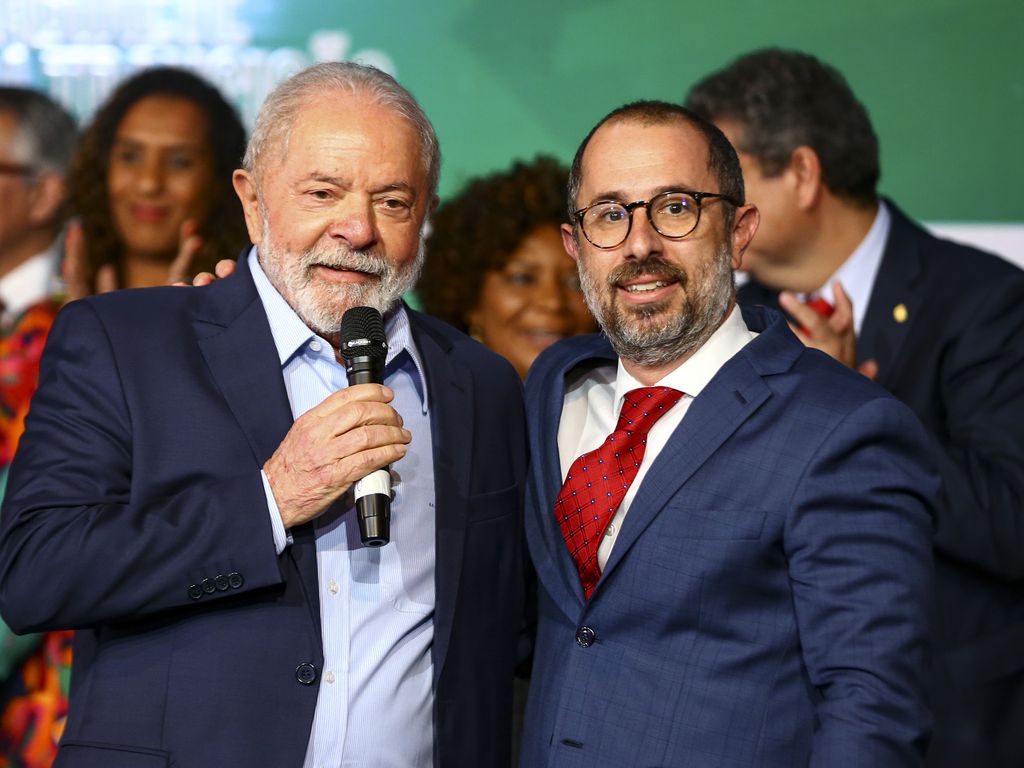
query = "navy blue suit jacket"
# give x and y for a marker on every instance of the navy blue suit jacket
(958, 362)
(766, 600)
(138, 477)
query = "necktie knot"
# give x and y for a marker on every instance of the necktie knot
(641, 408)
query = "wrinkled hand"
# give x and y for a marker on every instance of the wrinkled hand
(350, 434)
(223, 268)
(834, 335)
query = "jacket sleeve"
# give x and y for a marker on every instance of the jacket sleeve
(83, 540)
(859, 551)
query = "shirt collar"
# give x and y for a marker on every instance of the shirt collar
(291, 335)
(857, 273)
(29, 282)
(693, 375)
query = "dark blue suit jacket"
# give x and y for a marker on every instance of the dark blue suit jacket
(766, 600)
(958, 362)
(138, 478)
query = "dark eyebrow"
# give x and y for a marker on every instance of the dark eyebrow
(618, 196)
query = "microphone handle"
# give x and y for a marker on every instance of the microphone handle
(373, 492)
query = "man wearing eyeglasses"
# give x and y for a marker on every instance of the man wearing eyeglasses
(730, 531)
(37, 137)
(938, 324)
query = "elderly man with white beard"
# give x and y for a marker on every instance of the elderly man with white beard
(183, 493)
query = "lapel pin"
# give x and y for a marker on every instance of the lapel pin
(900, 313)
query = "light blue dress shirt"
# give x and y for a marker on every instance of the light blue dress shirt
(375, 703)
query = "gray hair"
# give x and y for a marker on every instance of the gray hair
(278, 114)
(46, 134)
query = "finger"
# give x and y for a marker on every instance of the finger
(362, 463)
(106, 279)
(345, 411)
(811, 323)
(842, 317)
(225, 267)
(869, 368)
(189, 245)
(203, 278)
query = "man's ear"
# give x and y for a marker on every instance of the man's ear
(569, 241)
(744, 226)
(48, 195)
(805, 170)
(245, 188)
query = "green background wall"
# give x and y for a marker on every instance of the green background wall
(943, 80)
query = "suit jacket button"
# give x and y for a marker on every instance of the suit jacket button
(221, 581)
(235, 580)
(195, 591)
(305, 673)
(208, 586)
(586, 637)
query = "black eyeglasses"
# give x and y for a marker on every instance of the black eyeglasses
(16, 169)
(673, 214)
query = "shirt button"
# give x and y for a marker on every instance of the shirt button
(610, 530)
(329, 677)
(333, 587)
(315, 345)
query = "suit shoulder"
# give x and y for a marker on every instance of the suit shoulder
(465, 350)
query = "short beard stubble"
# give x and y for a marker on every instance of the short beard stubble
(648, 335)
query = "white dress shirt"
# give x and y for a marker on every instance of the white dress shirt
(858, 272)
(592, 403)
(29, 282)
(375, 703)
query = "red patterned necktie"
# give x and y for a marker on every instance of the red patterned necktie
(598, 480)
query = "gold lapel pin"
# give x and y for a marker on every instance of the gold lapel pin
(900, 313)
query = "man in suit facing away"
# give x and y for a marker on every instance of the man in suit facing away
(939, 325)
(738, 574)
(182, 495)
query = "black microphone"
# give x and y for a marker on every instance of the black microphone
(364, 349)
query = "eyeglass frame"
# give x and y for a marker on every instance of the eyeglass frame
(17, 169)
(698, 198)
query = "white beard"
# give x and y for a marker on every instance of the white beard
(321, 305)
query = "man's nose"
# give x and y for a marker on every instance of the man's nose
(643, 239)
(354, 223)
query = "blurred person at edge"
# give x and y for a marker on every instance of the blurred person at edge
(151, 185)
(37, 138)
(938, 324)
(496, 268)
(184, 485)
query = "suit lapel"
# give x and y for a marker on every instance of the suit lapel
(235, 340)
(548, 393)
(728, 400)
(450, 394)
(735, 394)
(896, 297)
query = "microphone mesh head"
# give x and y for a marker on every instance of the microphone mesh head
(362, 333)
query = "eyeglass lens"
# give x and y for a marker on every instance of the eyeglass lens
(674, 214)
